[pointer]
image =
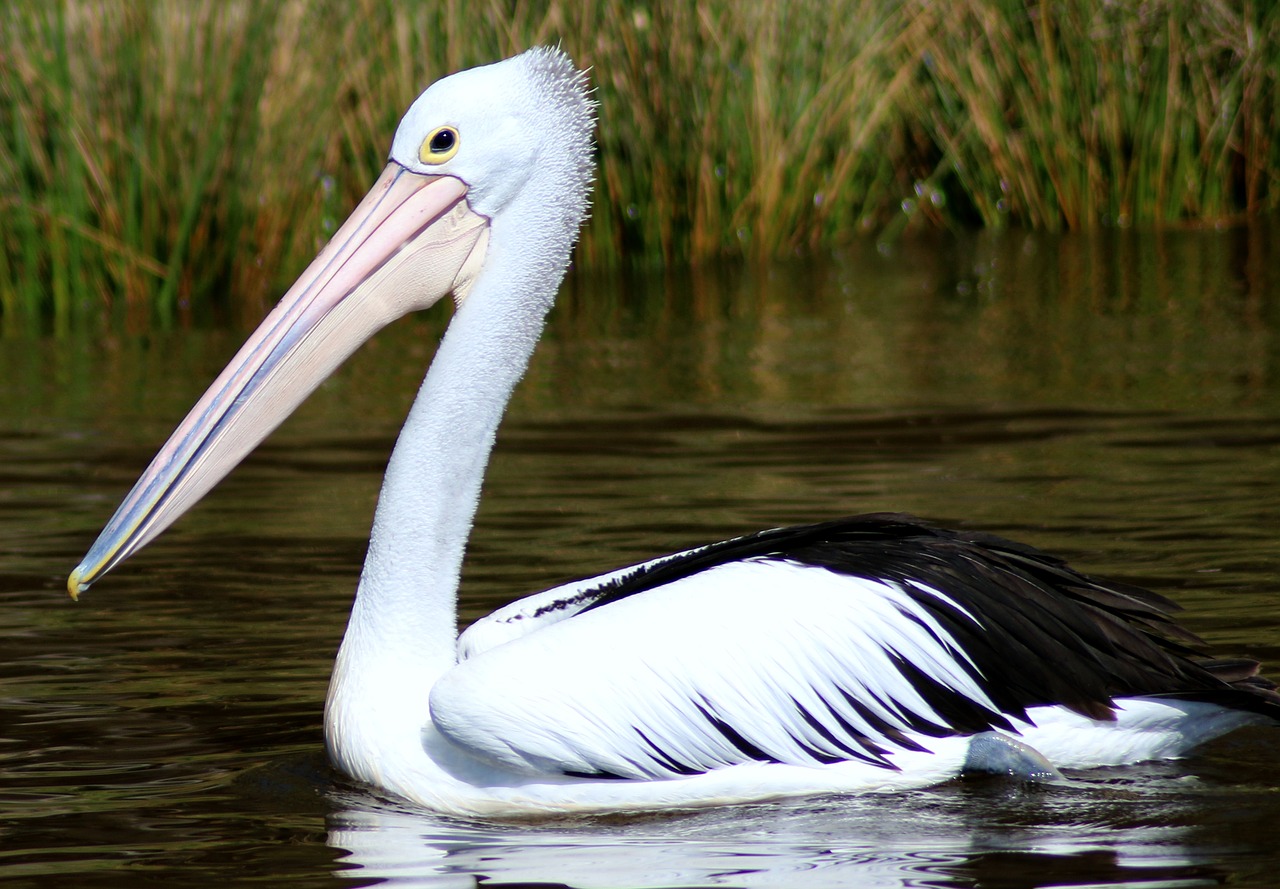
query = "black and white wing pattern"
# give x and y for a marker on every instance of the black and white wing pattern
(846, 640)
(535, 612)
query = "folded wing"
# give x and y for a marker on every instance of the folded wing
(850, 640)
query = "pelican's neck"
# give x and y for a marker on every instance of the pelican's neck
(403, 628)
(407, 596)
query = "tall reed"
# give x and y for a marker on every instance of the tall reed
(1075, 114)
(164, 159)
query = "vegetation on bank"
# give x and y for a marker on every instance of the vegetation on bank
(161, 156)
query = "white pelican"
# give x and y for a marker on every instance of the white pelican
(866, 653)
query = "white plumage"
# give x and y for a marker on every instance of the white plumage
(636, 689)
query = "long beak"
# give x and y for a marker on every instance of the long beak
(410, 242)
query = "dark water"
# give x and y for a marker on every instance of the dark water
(1116, 399)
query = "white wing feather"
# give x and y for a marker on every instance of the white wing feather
(708, 671)
(525, 615)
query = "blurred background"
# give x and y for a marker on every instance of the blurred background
(164, 162)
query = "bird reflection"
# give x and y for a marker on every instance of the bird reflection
(974, 833)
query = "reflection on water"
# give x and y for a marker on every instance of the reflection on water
(986, 834)
(1113, 399)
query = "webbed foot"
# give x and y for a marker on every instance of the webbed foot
(991, 753)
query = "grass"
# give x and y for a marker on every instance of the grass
(165, 160)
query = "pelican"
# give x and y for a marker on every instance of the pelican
(860, 654)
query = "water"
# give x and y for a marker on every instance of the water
(1114, 399)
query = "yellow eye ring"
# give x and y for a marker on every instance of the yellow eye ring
(440, 145)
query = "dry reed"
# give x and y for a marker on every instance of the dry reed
(178, 157)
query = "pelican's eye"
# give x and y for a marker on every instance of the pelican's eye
(439, 146)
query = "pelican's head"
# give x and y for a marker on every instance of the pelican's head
(508, 145)
(495, 127)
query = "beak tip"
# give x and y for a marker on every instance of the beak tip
(75, 585)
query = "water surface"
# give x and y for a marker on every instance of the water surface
(1113, 398)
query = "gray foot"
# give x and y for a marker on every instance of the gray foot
(992, 753)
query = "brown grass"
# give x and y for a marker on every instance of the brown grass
(163, 160)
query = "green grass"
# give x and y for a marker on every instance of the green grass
(167, 160)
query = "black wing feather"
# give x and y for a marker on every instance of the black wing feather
(1044, 633)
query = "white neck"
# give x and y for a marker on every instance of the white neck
(402, 633)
